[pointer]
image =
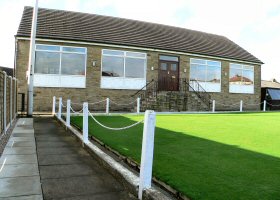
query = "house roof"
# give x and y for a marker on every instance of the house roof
(68, 25)
(270, 84)
(238, 78)
(9, 71)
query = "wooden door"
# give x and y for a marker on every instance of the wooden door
(168, 76)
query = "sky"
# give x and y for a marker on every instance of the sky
(252, 24)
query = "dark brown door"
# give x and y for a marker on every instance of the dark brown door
(168, 76)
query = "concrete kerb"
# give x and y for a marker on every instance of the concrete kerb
(129, 179)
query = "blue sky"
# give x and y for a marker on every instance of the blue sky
(253, 24)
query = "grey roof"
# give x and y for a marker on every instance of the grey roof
(68, 25)
(270, 84)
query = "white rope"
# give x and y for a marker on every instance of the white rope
(63, 105)
(123, 104)
(75, 111)
(115, 129)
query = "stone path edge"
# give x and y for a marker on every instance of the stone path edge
(128, 178)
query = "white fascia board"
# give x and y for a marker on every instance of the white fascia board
(139, 48)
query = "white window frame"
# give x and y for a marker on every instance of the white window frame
(204, 84)
(75, 81)
(128, 83)
(242, 89)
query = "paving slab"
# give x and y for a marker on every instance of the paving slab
(29, 134)
(22, 139)
(62, 150)
(22, 130)
(20, 186)
(18, 159)
(20, 144)
(52, 144)
(74, 186)
(73, 170)
(104, 196)
(11, 171)
(29, 197)
(19, 151)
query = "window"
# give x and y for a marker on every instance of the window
(59, 66)
(207, 73)
(123, 69)
(241, 78)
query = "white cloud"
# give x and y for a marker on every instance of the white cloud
(253, 24)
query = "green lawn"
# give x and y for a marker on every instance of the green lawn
(206, 156)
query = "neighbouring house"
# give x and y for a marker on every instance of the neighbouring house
(9, 71)
(88, 57)
(271, 93)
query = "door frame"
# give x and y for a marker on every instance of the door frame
(170, 62)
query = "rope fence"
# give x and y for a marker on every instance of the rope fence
(241, 105)
(145, 178)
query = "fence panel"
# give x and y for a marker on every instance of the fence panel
(10, 102)
(8, 85)
(1, 101)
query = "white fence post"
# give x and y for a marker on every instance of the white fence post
(213, 106)
(147, 152)
(264, 105)
(53, 105)
(107, 105)
(59, 107)
(138, 105)
(85, 122)
(11, 99)
(5, 103)
(68, 113)
(241, 105)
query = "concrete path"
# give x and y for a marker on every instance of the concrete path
(51, 164)
(19, 174)
(68, 171)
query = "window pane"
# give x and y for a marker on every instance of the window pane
(163, 66)
(213, 63)
(74, 49)
(213, 74)
(72, 64)
(169, 58)
(47, 62)
(134, 68)
(235, 66)
(201, 73)
(198, 61)
(173, 67)
(248, 77)
(193, 72)
(114, 53)
(112, 66)
(235, 76)
(198, 72)
(134, 54)
(48, 47)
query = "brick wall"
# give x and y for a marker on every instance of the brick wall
(93, 92)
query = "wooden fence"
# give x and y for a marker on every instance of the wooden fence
(8, 101)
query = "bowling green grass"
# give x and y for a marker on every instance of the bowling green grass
(205, 156)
